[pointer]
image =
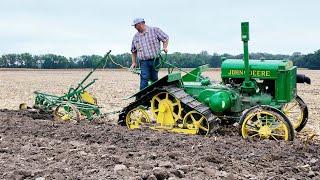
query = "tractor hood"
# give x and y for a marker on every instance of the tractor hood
(263, 69)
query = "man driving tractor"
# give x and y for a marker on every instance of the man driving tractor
(146, 46)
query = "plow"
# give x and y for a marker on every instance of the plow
(259, 96)
(74, 105)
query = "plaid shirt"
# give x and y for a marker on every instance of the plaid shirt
(147, 44)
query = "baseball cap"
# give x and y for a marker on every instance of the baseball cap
(137, 20)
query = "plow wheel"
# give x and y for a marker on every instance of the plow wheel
(265, 122)
(166, 109)
(137, 118)
(66, 112)
(197, 121)
(297, 112)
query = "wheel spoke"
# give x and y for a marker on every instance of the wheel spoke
(158, 99)
(175, 115)
(259, 116)
(259, 119)
(193, 119)
(295, 104)
(175, 104)
(167, 95)
(257, 124)
(201, 119)
(253, 130)
(254, 135)
(203, 128)
(273, 134)
(277, 126)
(293, 112)
(274, 137)
(252, 126)
(267, 120)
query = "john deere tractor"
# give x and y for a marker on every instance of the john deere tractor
(259, 95)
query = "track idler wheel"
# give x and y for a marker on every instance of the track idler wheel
(297, 112)
(67, 112)
(197, 121)
(136, 118)
(166, 109)
(265, 122)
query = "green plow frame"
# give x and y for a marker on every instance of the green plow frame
(71, 105)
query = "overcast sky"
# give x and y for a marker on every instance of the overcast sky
(78, 27)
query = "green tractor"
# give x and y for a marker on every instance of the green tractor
(259, 95)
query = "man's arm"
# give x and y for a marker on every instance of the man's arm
(163, 37)
(165, 45)
(134, 55)
(134, 59)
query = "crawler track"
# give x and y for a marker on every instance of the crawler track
(188, 103)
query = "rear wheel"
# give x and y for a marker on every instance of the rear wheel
(265, 122)
(297, 112)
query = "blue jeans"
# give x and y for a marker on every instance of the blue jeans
(148, 72)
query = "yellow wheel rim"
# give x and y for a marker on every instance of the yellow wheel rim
(264, 124)
(165, 100)
(197, 121)
(136, 118)
(66, 112)
(294, 113)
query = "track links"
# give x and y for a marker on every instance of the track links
(185, 99)
(193, 104)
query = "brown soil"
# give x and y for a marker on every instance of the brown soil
(33, 146)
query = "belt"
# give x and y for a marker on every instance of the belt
(152, 59)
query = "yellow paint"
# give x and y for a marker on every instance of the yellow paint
(290, 111)
(267, 126)
(136, 118)
(88, 98)
(235, 72)
(256, 73)
(166, 109)
(196, 121)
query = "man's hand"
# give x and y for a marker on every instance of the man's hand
(165, 46)
(133, 65)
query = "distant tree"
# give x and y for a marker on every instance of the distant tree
(183, 60)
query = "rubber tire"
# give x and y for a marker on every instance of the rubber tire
(287, 122)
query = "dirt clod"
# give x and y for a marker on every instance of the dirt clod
(32, 148)
(119, 167)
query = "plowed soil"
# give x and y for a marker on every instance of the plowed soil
(33, 146)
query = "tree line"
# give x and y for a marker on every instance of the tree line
(183, 60)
